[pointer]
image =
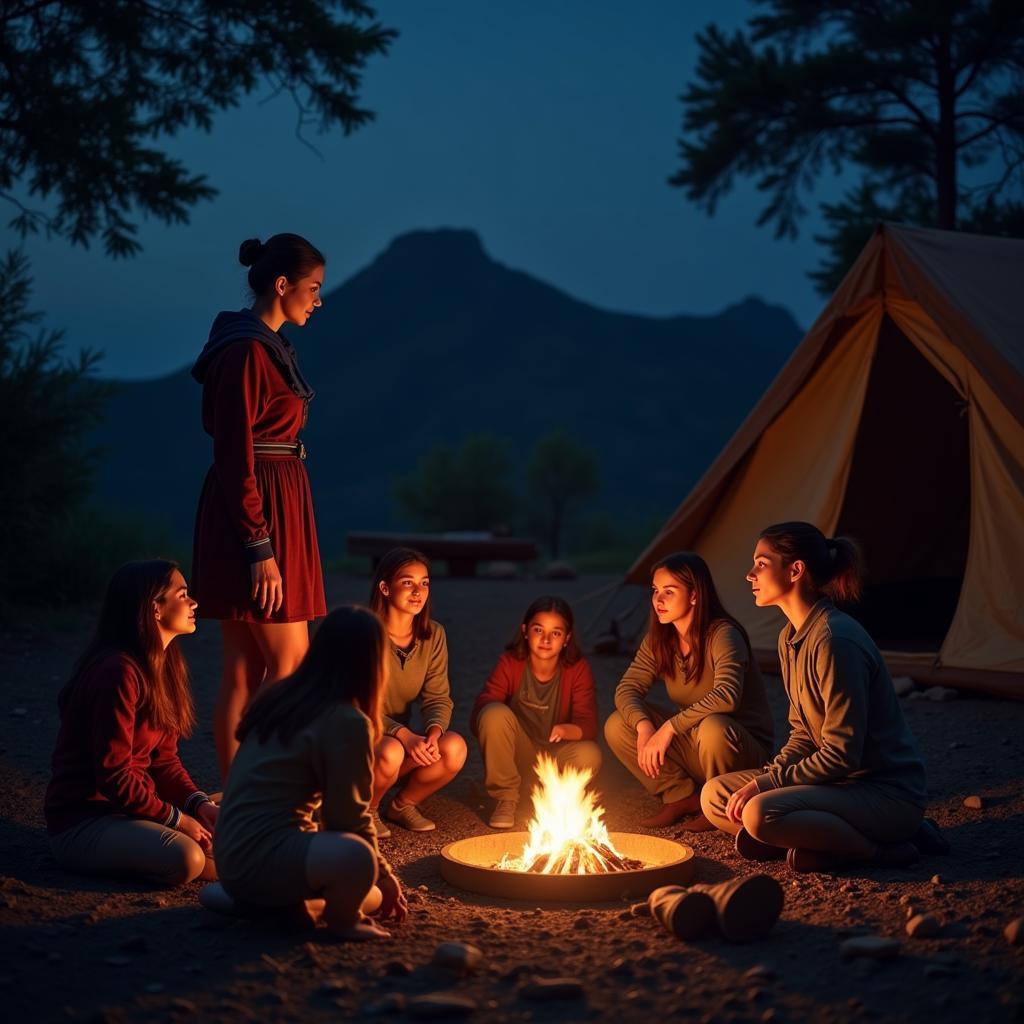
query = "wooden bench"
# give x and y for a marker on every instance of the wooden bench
(462, 550)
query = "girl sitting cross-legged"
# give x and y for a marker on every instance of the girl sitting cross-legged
(307, 743)
(119, 801)
(417, 672)
(722, 721)
(848, 785)
(539, 698)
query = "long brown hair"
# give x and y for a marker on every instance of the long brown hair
(571, 652)
(387, 572)
(692, 571)
(835, 565)
(127, 625)
(344, 665)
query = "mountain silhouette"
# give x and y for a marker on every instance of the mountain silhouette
(435, 340)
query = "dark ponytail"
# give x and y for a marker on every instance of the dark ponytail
(834, 564)
(283, 255)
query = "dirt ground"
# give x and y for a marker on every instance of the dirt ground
(91, 949)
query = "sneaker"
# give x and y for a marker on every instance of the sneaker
(746, 908)
(504, 814)
(687, 913)
(753, 849)
(803, 861)
(379, 825)
(409, 817)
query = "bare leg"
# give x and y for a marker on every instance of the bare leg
(424, 780)
(283, 645)
(387, 763)
(242, 672)
(344, 868)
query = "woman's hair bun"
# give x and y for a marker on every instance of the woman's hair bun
(250, 251)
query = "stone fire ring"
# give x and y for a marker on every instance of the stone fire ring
(467, 864)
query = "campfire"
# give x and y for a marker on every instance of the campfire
(567, 834)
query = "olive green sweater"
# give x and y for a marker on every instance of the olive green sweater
(730, 684)
(421, 673)
(274, 788)
(845, 718)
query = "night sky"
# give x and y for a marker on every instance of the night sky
(549, 128)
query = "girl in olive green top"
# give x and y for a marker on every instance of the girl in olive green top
(417, 662)
(306, 743)
(722, 721)
(848, 785)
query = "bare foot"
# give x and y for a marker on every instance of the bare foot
(361, 931)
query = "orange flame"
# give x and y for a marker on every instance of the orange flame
(567, 833)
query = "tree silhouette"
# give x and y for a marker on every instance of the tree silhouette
(88, 90)
(926, 99)
(560, 471)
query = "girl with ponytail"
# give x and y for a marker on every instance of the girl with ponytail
(848, 786)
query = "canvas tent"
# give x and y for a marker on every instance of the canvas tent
(899, 420)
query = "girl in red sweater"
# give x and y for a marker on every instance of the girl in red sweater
(539, 698)
(119, 801)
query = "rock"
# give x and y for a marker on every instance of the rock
(936, 879)
(621, 967)
(759, 972)
(640, 909)
(458, 956)
(903, 685)
(878, 947)
(940, 694)
(923, 926)
(975, 803)
(558, 571)
(335, 986)
(396, 968)
(1014, 932)
(547, 989)
(440, 1004)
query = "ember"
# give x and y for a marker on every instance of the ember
(567, 834)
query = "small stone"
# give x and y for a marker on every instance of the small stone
(396, 968)
(905, 899)
(621, 967)
(1014, 932)
(335, 986)
(759, 972)
(923, 926)
(975, 803)
(458, 956)
(582, 924)
(903, 685)
(117, 961)
(936, 879)
(878, 947)
(440, 1004)
(940, 694)
(549, 989)
(642, 909)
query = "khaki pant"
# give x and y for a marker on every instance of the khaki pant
(509, 754)
(124, 847)
(717, 744)
(805, 816)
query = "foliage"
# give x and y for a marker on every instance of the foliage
(463, 488)
(88, 90)
(560, 471)
(924, 100)
(46, 405)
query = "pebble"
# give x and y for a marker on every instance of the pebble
(759, 972)
(621, 966)
(975, 803)
(1014, 932)
(548, 989)
(440, 1004)
(936, 879)
(396, 968)
(923, 926)
(940, 694)
(876, 946)
(458, 956)
(335, 986)
(903, 685)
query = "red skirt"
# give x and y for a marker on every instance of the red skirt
(221, 577)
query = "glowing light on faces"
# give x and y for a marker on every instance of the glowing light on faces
(671, 598)
(768, 578)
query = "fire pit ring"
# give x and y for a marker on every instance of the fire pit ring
(469, 864)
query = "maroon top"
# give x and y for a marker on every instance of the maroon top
(110, 760)
(578, 699)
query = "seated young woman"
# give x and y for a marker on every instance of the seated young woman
(722, 721)
(539, 698)
(848, 785)
(119, 801)
(417, 672)
(307, 743)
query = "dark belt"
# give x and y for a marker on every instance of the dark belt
(279, 448)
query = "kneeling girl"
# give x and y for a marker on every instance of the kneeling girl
(539, 698)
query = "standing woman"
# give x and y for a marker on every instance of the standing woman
(417, 662)
(848, 786)
(722, 720)
(256, 562)
(119, 801)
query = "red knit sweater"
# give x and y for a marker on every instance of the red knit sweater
(578, 698)
(110, 760)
